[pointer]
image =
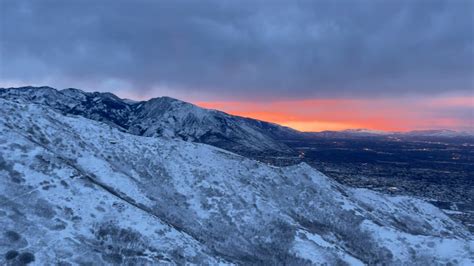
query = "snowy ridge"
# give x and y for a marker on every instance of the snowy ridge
(161, 117)
(81, 191)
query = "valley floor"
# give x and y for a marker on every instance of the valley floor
(440, 171)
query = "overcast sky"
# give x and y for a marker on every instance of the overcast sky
(310, 64)
(240, 49)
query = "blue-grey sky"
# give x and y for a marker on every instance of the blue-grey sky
(390, 64)
(240, 49)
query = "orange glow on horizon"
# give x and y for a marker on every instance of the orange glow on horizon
(340, 114)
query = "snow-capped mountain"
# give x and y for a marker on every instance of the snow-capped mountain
(348, 133)
(162, 116)
(364, 133)
(78, 191)
(439, 133)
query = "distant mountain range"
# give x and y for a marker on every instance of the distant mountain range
(409, 135)
(76, 191)
(168, 117)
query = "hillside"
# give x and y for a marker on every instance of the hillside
(162, 117)
(80, 191)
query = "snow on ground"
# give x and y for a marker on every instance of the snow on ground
(106, 196)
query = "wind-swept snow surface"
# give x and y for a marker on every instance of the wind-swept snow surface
(79, 191)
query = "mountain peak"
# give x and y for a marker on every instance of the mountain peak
(162, 116)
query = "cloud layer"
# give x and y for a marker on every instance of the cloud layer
(241, 49)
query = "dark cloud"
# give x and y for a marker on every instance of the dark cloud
(243, 49)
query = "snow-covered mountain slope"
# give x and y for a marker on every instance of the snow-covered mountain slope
(162, 117)
(80, 191)
(173, 118)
